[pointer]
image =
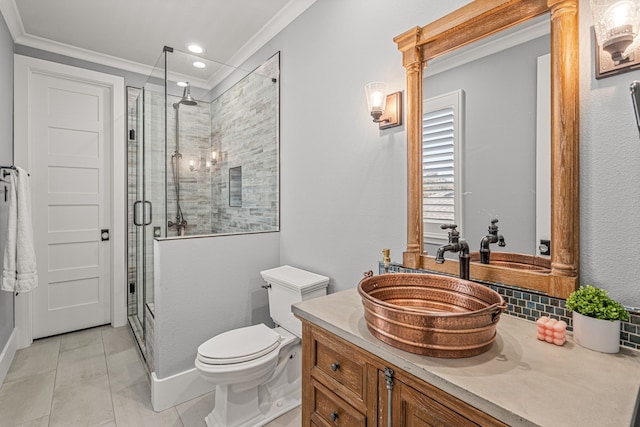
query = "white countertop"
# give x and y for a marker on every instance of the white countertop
(521, 381)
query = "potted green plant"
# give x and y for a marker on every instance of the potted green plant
(596, 319)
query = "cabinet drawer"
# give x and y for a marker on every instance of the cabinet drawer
(329, 409)
(342, 364)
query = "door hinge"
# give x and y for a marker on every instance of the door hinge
(132, 287)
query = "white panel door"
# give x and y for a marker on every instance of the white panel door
(69, 125)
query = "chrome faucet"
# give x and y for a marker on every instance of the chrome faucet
(456, 244)
(492, 237)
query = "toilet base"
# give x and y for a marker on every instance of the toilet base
(259, 420)
(255, 407)
(236, 406)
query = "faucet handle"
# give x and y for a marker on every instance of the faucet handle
(493, 228)
(454, 234)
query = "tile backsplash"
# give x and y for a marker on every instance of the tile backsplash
(530, 305)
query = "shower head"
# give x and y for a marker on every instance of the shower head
(187, 99)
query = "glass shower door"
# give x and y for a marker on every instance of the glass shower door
(135, 202)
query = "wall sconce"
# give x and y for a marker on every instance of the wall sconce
(193, 167)
(386, 110)
(214, 158)
(615, 23)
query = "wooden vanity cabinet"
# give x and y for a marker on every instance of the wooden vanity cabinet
(343, 385)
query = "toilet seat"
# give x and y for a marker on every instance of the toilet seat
(239, 345)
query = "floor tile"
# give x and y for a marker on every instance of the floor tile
(132, 407)
(81, 364)
(40, 422)
(85, 403)
(292, 418)
(96, 378)
(116, 340)
(80, 339)
(125, 369)
(26, 400)
(40, 357)
(193, 412)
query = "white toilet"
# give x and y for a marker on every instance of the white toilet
(257, 369)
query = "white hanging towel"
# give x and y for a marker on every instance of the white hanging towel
(19, 272)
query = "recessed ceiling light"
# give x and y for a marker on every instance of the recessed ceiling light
(199, 64)
(182, 84)
(195, 48)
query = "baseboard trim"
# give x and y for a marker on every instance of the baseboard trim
(177, 389)
(7, 355)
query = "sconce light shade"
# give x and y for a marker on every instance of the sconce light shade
(386, 109)
(615, 23)
(376, 93)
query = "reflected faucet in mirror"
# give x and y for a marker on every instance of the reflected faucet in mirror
(491, 237)
(456, 244)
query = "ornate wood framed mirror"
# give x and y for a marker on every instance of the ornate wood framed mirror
(472, 22)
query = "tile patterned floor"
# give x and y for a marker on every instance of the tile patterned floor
(94, 377)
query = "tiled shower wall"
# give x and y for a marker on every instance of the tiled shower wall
(244, 131)
(241, 126)
(195, 185)
(530, 305)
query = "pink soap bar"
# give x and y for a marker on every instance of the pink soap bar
(551, 330)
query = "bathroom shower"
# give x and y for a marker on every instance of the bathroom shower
(180, 223)
(232, 126)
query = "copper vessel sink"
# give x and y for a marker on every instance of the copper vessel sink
(430, 314)
(516, 261)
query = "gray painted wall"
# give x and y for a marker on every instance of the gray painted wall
(206, 286)
(6, 158)
(344, 183)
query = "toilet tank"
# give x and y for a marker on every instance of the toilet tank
(287, 286)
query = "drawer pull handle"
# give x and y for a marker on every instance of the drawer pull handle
(335, 366)
(333, 416)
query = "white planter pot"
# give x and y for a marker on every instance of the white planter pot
(596, 334)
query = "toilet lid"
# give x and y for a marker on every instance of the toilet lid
(239, 345)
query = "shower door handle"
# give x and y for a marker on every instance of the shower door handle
(150, 212)
(135, 213)
(144, 213)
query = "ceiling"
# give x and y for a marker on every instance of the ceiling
(130, 34)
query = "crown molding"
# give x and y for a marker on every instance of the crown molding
(284, 17)
(9, 11)
(279, 22)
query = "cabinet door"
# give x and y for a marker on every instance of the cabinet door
(414, 409)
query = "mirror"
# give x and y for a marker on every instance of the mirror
(475, 21)
(498, 78)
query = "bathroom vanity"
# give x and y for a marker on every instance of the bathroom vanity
(520, 381)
